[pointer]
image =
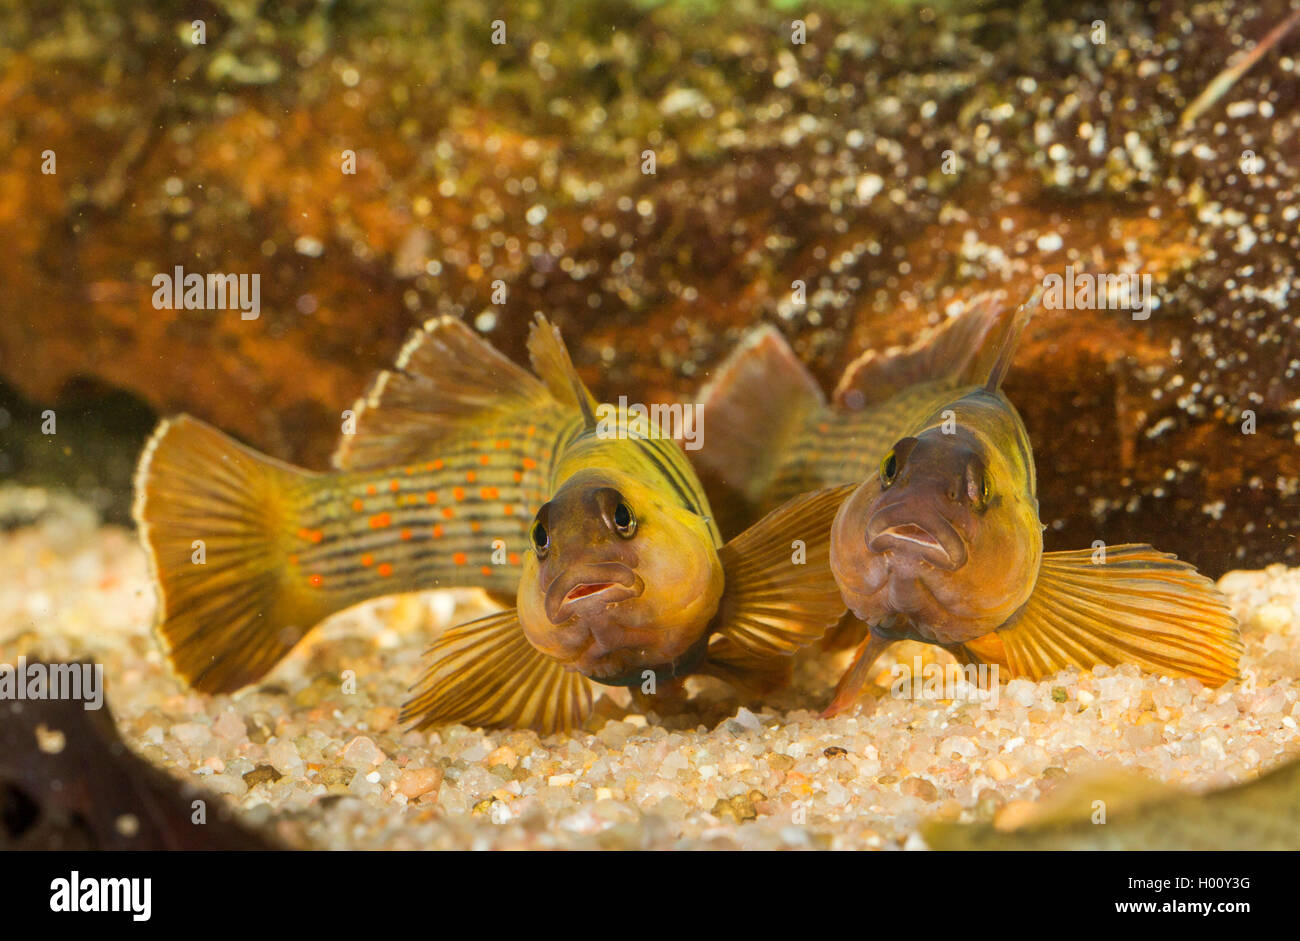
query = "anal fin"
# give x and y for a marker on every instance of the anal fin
(1139, 606)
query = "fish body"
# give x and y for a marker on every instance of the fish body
(452, 452)
(627, 582)
(942, 544)
(1263, 814)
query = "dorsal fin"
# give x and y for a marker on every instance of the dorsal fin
(446, 378)
(965, 350)
(1007, 341)
(551, 361)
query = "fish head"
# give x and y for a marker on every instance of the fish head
(618, 580)
(944, 538)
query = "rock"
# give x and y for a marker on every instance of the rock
(417, 782)
(919, 787)
(262, 774)
(362, 754)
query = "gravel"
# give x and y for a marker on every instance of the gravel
(317, 755)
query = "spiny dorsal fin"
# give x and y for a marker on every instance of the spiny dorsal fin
(1007, 340)
(551, 361)
(1139, 606)
(779, 596)
(963, 351)
(446, 379)
(756, 402)
(485, 673)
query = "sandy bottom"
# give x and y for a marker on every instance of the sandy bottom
(326, 767)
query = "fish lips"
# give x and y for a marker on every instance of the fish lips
(590, 589)
(898, 528)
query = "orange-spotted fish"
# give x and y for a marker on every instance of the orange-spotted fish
(626, 580)
(942, 544)
(453, 451)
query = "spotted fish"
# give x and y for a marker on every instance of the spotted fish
(626, 581)
(452, 452)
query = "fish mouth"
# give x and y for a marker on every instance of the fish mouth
(928, 537)
(590, 589)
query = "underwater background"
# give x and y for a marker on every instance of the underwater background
(656, 178)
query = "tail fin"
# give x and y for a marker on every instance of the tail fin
(216, 519)
(1138, 606)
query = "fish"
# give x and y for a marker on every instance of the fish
(1127, 812)
(775, 435)
(434, 482)
(627, 582)
(942, 544)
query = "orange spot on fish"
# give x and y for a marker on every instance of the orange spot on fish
(518, 476)
(293, 560)
(471, 476)
(437, 531)
(437, 465)
(514, 558)
(410, 470)
(529, 463)
(358, 505)
(394, 486)
(532, 430)
(486, 570)
(316, 535)
(406, 534)
(459, 558)
(431, 496)
(475, 526)
(508, 510)
(448, 512)
(429, 466)
(384, 569)
(370, 489)
(458, 493)
(380, 520)
(367, 560)
(489, 493)
(484, 459)
(502, 444)
(315, 581)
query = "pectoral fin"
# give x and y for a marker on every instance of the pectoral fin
(1139, 606)
(485, 673)
(780, 594)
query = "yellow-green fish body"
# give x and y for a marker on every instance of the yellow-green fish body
(627, 582)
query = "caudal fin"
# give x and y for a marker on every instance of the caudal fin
(1137, 606)
(216, 519)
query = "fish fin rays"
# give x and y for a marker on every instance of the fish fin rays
(227, 621)
(1140, 606)
(485, 673)
(963, 351)
(757, 401)
(445, 380)
(551, 360)
(773, 605)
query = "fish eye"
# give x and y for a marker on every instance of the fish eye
(624, 521)
(541, 539)
(889, 468)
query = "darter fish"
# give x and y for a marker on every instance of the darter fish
(451, 454)
(955, 556)
(626, 579)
